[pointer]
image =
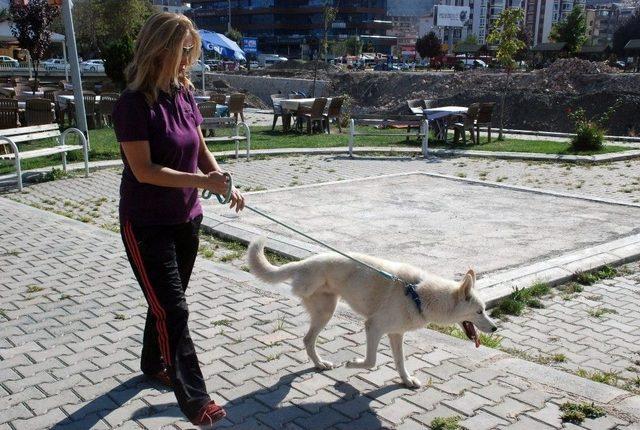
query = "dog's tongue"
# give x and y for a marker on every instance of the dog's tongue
(471, 333)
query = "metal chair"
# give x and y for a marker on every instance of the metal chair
(38, 111)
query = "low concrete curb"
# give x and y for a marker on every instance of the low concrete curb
(36, 174)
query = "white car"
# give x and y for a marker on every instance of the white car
(6, 61)
(197, 67)
(92, 66)
(55, 64)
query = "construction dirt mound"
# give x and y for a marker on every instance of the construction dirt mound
(534, 101)
(304, 65)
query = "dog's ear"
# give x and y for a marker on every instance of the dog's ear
(467, 284)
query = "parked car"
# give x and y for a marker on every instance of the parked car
(6, 61)
(92, 66)
(55, 64)
(385, 67)
(198, 66)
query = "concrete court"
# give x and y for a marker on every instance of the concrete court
(443, 224)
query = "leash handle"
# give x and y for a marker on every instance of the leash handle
(206, 194)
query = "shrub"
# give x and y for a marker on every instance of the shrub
(117, 55)
(589, 132)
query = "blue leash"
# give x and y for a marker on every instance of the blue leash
(409, 289)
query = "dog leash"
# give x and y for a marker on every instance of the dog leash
(409, 289)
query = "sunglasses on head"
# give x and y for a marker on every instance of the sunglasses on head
(186, 50)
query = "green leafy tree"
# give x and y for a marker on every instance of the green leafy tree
(429, 45)
(329, 15)
(630, 29)
(234, 35)
(353, 46)
(572, 30)
(31, 26)
(117, 55)
(505, 34)
(99, 23)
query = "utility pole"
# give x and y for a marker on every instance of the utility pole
(70, 39)
(229, 20)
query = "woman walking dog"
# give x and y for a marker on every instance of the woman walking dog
(157, 122)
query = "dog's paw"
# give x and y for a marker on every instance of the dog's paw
(324, 365)
(358, 363)
(411, 382)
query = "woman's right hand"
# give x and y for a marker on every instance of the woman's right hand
(216, 182)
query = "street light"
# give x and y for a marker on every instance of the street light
(229, 20)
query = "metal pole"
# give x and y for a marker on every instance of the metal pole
(229, 21)
(202, 59)
(66, 60)
(81, 116)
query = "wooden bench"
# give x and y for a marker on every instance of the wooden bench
(410, 122)
(213, 122)
(10, 137)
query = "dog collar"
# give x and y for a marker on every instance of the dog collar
(410, 290)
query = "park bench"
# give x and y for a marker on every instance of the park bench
(419, 125)
(214, 122)
(11, 137)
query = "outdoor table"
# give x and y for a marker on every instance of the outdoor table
(30, 95)
(63, 99)
(23, 105)
(290, 106)
(439, 116)
(200, 99)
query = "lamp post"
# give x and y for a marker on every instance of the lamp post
(81, 116)
(229, 20)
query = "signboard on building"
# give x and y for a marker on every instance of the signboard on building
(451, 16)
(250, 45)
(408, 50)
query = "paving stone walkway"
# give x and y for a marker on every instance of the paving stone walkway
(73, 319)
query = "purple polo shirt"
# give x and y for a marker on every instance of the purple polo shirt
(170, 126)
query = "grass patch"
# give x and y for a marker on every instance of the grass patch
(600, 312)
(577, 412)
(609, 378)
(540, 359)
(488, 340)
(120, 316)
(10, 254)
(225, 323)
(34, 289)
(280, 322)
(448, 423)
(105, 147)
(517, 301)
(4, 315)
(590, 278)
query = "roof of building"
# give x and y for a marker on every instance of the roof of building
(549, 47)
(466, 48)
(632, 45)
(595, 49)
(409, 7)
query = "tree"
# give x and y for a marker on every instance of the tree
(97, 24)
(630, 29)
(505, 34)
(32, 28)
(234, 35)
(353, 46)
(429, 46)
(572, 30)
(329, 15)
(117, 55)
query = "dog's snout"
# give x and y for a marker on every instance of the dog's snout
(494, 328)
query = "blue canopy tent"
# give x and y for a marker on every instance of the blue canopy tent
(227, 48)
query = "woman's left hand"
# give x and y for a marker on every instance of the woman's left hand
(237, 200)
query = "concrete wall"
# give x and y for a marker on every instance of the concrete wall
(264, 86)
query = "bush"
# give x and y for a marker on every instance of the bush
(589, 132)
(117, 55)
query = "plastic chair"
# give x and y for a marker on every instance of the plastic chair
(8, 113)
(38, 111)
(236, 106)
(333, 112)
(468, 123)
(484, 119)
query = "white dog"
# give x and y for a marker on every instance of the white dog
(322, 279)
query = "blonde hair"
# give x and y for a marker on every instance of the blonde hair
(158, 53)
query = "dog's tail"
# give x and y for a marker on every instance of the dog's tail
(262, 269)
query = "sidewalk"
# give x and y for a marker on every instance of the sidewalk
(71, 339)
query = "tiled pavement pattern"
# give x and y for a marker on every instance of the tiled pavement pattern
(596, 329)
(72, 327)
